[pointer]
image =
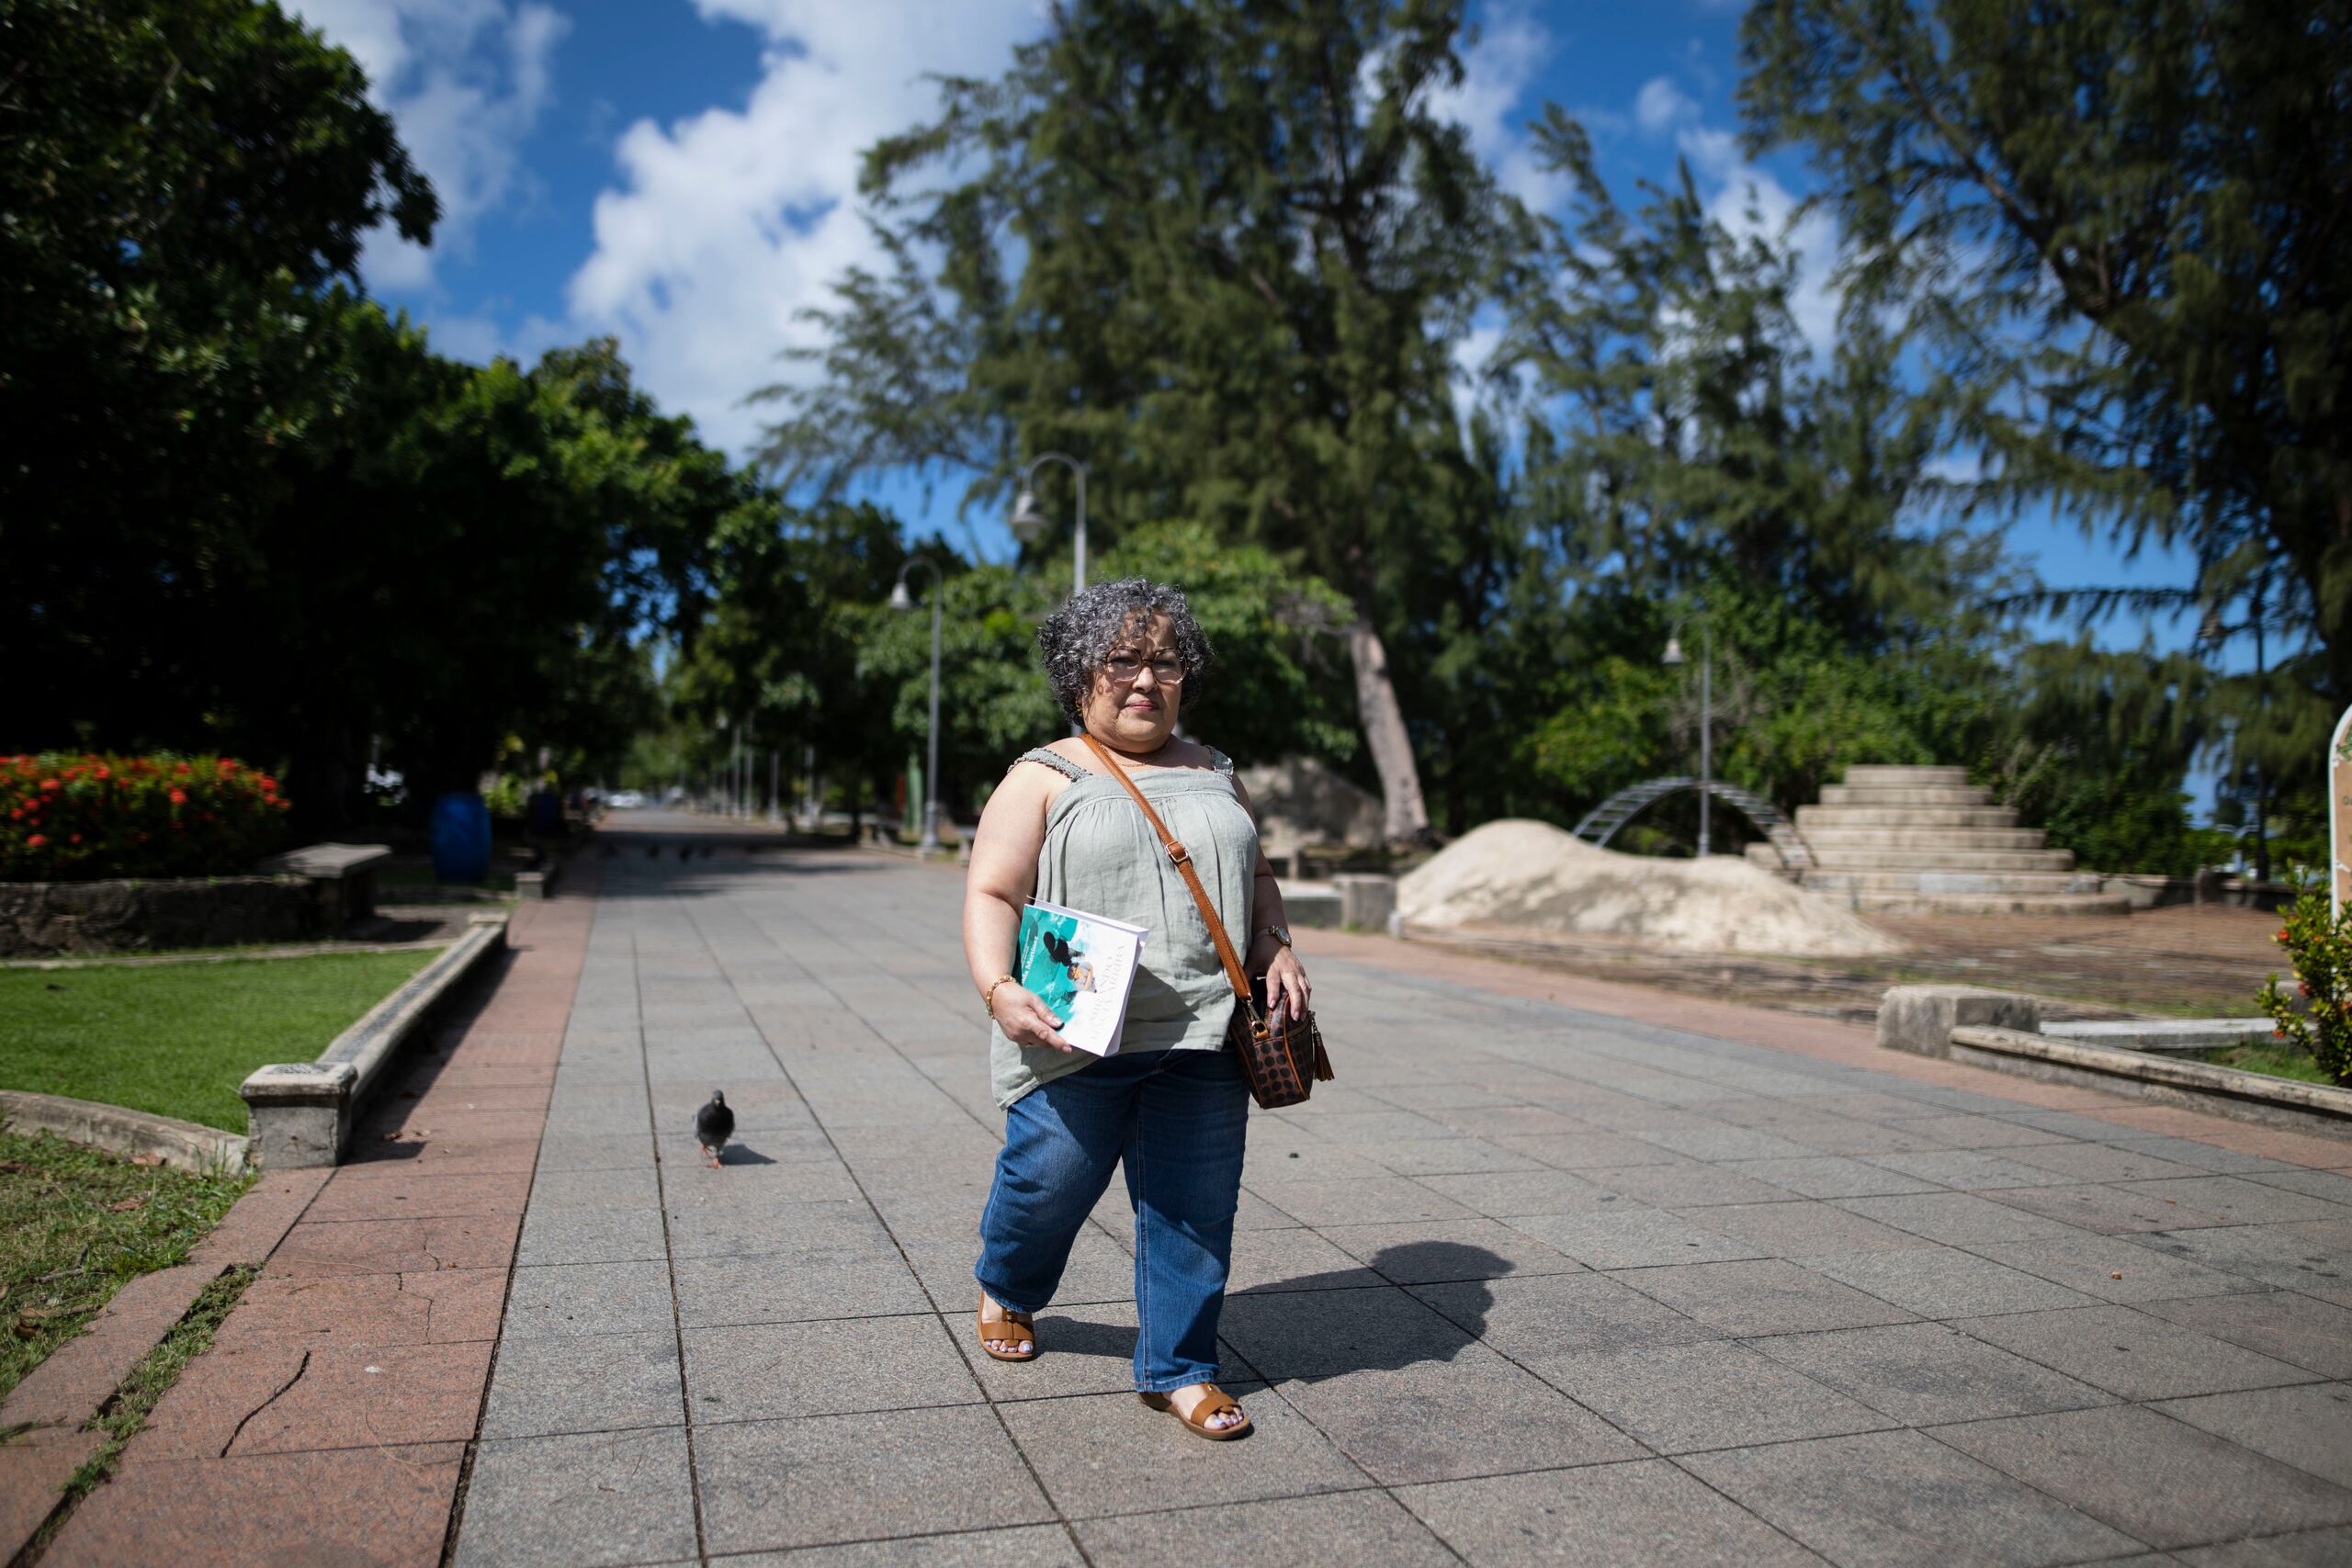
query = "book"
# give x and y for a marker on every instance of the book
(1082, 966)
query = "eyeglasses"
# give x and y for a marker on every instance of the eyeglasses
(1166, 671)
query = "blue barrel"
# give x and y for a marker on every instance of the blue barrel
(461, 838)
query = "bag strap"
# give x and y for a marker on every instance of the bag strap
(1182, 860)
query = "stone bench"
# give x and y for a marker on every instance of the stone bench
(302, 1114)
(1347, 902)
(2146, 1059)
(343, 876)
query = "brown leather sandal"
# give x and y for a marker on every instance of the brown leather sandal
(1216, 1402)
(993, 1316)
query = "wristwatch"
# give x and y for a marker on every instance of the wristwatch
(1280, 933)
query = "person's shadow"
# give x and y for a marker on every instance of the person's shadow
(1314, 1326)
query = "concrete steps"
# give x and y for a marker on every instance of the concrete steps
(1825, 839)
(1904, 795)
(1923, 858)
(1924, 840)
(2086, 905)
(1811, 817)
(1882, 775)
(1940, 879)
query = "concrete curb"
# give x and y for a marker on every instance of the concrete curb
(2199, 1086)
(302, 1112)
(945, 855)
(2162, 1036)
(234, 955)
(183, 1145)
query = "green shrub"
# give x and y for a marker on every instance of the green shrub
(508, 796)
(67, 816)
(2318, 942)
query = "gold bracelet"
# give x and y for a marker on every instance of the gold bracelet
(987, 1001)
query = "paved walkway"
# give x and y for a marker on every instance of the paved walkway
(1532, 1282)
(328, 1423)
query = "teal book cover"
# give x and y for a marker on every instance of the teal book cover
(1082, 966)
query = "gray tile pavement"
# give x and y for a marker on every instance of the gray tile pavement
(1579, 1289)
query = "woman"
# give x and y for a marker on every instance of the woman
(1170, 1104)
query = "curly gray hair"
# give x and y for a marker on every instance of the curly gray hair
(1078, 639)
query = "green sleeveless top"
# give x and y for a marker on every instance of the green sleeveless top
(1102, 857)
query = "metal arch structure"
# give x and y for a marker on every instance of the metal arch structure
(1600, 824)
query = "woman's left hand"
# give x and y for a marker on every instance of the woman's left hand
(1286, 984)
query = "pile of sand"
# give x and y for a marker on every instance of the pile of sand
(1535, 875)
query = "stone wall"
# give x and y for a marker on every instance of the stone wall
(1302, 802)
(43, 918)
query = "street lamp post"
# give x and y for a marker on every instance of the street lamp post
(2214, 634)
(901, 600)
(1674, 656)
(1029, 524)
(718, 790)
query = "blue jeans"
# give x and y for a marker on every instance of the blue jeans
(1176, 1120)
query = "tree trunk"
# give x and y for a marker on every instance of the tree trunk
(1384, 729)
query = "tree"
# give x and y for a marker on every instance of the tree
(793, 596)
(1794, 704)
(1684, 433)
(448, 556)
(2097, 743)
(1277, 689)
(1280, 687)
(1244, 317)
(2120, 224)
(1689, 454)
(528, 527)
(180, 180)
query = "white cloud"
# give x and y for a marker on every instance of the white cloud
(1496, 71)
(1661, 106)
(1472, 354)
(1966, 466)
(466, 81)
(720, 227)
(1714, 154)
(717, 230)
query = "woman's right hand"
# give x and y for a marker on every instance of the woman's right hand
(1026, 1021)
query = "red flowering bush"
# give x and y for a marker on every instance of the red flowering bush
(73, 818)
(2319, 942)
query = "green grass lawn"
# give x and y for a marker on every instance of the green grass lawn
(75, 1225)
(177, 1039)
(2277, 1061)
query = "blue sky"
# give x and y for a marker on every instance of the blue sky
(682, 175)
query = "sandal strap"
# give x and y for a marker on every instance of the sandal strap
(994, 1314)
(1216, 1402)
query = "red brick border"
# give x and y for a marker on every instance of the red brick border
(329, 1421)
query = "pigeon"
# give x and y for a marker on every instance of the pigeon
(714, 1125)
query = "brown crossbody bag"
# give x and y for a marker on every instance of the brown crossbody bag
(1282, 1056)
